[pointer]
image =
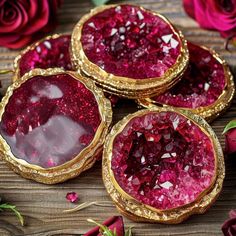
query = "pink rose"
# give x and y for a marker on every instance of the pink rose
(217, 15)
(230, 137)
(229, 226)
(24, 21)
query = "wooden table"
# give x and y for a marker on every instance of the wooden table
(42, 205)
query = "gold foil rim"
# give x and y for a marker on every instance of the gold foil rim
(84, 160)
(124, 86)
(212, 111)
(138, 211)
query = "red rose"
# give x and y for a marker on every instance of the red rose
(24, 21)
(230, 137)
(229, 226)
(217, 15)
(230, 143)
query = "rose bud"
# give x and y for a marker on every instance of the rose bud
(112, 226)
(230, 137)
(229, 226)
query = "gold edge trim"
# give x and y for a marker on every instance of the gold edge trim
(212, 111)
(81, 161)
(123, 83)
(142, 212)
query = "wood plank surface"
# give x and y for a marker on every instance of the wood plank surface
(42, 205)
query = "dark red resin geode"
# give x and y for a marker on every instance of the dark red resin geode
(50, 53)
(49, 120)
(202, 83)
(130, 42)
(163, 160)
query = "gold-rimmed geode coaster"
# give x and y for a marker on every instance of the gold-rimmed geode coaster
(128, 50)
(53, 125)
(49, 52)
(162, 165)
(206, 88)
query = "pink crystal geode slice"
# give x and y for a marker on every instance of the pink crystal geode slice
(202, 83)
(164, 160)
(50, 53)
(130, 42)
(49, 120)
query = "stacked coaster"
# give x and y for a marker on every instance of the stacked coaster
(129, 51)
(53, 125)
(159, 164)
(206, 88)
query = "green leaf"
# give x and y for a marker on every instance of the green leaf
(234, 41)
(128, 232)
(230, 125)
(6, 206)
(99, 2)
(105, 231)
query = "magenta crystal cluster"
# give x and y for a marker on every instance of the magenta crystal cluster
(163, 160)
(49, 120)
(49, 53)
(130, 42)
(202, 83)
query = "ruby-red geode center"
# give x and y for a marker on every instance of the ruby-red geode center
(49, 120)
(131, 42)
(49, 53)
(163, 160)
(202, 83)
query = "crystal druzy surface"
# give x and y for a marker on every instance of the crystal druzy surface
(49, 120)
(48, 54)
(131, 42)
(202, 83)
(163, 160)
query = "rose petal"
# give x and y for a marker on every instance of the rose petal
(218, 19)
(189, 8)
(23, 21)
(114, 223)
(41, 19)
(227, 227)
(232, 214)
(7, 26)
(2, 2)
(15, 42)
(212, 15)
(200, 14)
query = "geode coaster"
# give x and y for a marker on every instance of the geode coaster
(206, 88)
(50, 52)
(128, 50)
(162, 165)
(53, 125)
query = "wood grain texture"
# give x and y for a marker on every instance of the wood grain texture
(42, 205)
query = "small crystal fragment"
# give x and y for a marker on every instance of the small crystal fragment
(167, 38)
(166, 185)
(72, 197)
